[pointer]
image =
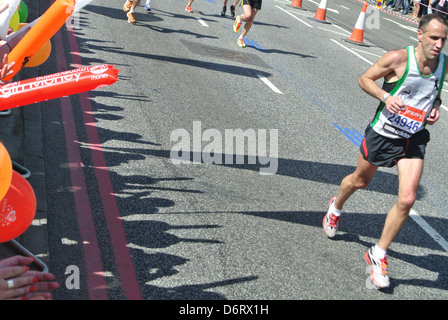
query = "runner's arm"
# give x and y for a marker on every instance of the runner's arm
(435, 113)
(389, 66)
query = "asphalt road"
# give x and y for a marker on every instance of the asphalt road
(229, 223)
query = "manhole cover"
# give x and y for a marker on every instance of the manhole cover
(226, 54)
(220, 53)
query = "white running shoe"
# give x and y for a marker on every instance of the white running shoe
(378, 273)
(331, 222)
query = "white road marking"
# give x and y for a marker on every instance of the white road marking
(202, 22)
(429, 230)
(342, 34)
(365, 52)
(443, 107)
(269, 84)
(350, 50)
(292, 15)
(335, 25)
(402, 25)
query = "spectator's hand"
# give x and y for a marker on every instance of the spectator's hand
(6, 68)
(18, 282)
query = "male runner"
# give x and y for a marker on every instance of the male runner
(410, 99)
(250, 9)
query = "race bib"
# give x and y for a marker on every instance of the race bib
(406, 122)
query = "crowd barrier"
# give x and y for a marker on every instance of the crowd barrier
(30, 47)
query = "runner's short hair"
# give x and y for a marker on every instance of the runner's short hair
(426, 19)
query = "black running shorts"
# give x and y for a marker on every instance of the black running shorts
(256, 4)
(384, 152)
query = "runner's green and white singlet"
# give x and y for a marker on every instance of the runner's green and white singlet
(417, 92)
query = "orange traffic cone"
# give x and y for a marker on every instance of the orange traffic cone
(297, 4)
(321, 12)
(357, 36)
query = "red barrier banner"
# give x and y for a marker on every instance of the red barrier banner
(42, 88)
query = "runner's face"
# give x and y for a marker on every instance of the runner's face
(433, 39)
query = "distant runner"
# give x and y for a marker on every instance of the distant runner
(232, 8)
(188, 8)
(129, 7)
(250, 9)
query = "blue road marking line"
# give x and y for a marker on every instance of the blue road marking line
(355, 134)
(252, 43)
(348, 134)
(359, 134)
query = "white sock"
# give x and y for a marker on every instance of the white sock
(378, 252)
(240, 37)
(335, 211)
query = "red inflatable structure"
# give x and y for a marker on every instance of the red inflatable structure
(45, 28)
(17, 208)
(21, 93)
